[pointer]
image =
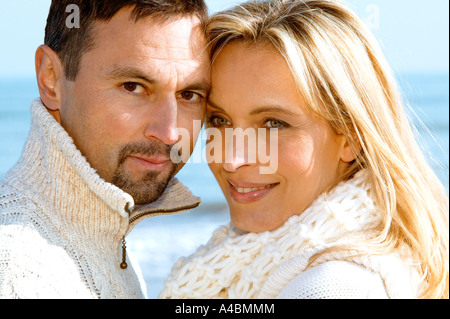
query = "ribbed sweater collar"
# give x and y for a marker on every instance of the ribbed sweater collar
(54, 173)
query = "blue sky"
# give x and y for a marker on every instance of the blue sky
(414, 33)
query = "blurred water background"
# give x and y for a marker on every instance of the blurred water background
(158, 242)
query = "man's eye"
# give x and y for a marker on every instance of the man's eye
(133, 87)
(190, 96)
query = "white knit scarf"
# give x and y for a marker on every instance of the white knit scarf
(238, 265)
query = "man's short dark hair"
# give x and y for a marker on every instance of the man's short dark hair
(71, 43)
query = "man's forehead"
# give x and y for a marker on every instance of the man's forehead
(148, 48)
(179, 31)
(180, 40)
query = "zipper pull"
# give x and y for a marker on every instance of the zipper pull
(124, 264)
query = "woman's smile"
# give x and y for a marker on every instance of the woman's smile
(246, 192)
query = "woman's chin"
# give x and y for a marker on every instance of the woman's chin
(247, 221)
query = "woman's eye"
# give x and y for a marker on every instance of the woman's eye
(275, 124)
(216, 121)
(190, 96)
(133, 87)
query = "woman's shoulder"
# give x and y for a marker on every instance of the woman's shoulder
(335, 280)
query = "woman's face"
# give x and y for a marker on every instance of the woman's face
(252, 87)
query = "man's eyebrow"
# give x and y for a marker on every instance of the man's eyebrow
(134, 73)
(127, 73)
(203, 86)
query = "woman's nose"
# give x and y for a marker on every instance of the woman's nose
(234, 164)
(240, 151)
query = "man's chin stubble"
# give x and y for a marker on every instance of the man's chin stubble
(148, 189)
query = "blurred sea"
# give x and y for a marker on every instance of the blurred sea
(158, 242)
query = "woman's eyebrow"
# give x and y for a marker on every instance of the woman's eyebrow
(273, 109)
(214, 105)
(263, 109)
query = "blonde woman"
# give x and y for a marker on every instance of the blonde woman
(354, 210)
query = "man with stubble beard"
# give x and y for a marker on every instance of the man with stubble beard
(113, 94)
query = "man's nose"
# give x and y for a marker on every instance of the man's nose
(163, 123)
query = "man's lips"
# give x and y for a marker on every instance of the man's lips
(151, 162)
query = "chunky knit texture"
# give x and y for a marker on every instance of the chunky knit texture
(234, 264)
(61, 225)
(336, 280)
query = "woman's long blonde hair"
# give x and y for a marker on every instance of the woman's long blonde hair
(344, 78)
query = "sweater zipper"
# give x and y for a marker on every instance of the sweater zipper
(123, 264)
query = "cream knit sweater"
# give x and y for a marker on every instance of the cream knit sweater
(234, 264)
(61, 225)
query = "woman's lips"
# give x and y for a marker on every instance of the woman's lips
(244, 192)
(153, 163)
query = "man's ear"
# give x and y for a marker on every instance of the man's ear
(49, 74)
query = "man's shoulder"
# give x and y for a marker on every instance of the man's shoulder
(33, 264)
(18, 217)
(25, 239)
(13, 199)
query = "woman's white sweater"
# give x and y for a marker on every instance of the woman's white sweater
(62, 226)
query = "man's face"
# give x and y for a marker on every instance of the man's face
(140, 82)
